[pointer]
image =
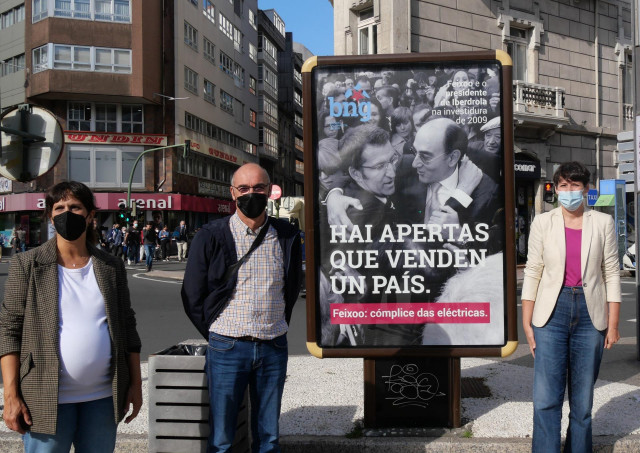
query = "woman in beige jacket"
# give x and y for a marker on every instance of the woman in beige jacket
(570, 309)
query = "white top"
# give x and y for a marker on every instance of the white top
(85, 343)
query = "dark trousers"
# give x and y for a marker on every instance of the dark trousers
(164, 246)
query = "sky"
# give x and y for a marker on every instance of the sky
(310, 21)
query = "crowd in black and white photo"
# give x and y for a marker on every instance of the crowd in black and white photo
(416, 145)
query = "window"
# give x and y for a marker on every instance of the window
(132, 119)
(269, 110)
(79, 117)
(237, 39)
(39, 10)
(209, 51)
(81, 58)
(103, 166)
(194, 2)
(266, 46)
(238, 75)
(226, 102)
(298, 121)
(209, 10)
(297, 76)
(253, 53)
(40, 59)
(253, 19)
(190, 36)
(238, 6)
(253, 83)
(106, 118)
(113, 10)
(190, 80)
(270, 80)
(12, 16)
(203, 127)
(13, 64)
(84, 116)
(299, 144)
(297, 97)
(367, 33)
(79, 9)
(72, 57)
(517, 49)
(226, 63)
(209, 92)
(252, 118)
(269, 141)
(225, 25)
(99, 10)
(112, 60)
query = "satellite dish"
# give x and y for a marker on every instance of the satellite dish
(31, 142)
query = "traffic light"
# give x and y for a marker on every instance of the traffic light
(548, 192)
(187, 149)
(122, 214)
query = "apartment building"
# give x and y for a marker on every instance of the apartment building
(124, 77)
(572, 87)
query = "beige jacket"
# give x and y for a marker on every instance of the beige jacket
(544, 273)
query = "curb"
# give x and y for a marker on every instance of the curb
(128, 443)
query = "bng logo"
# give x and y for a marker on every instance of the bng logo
(359, 106)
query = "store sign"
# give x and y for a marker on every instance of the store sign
(6, 185)
(211, 188)
(115, 139)
(526, 169)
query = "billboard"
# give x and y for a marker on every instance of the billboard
(410, 245)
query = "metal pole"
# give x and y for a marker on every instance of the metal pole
(636, 54)
(135, 164)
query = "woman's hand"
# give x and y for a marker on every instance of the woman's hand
(15, 414)
(134, 400)
(528, 331)
(613, 335)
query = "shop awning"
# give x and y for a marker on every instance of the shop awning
(606, 200)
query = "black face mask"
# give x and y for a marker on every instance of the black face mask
(69, 225)
(252, 204)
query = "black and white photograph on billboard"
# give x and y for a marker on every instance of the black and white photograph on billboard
(410, 196)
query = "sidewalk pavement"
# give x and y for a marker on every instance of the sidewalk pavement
(322, 409)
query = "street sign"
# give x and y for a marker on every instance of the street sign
(276, 192)
(592, 197)
(31, 142)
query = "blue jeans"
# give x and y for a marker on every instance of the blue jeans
(90, 426)
(232, 365)
(149, 250)
(568, 342)
(132, 253)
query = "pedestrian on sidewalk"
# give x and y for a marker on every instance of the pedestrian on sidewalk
(241, 282)
(570, 309)
(132, 241)
(70, 352)
(163, 236)
(181, 240)
(150, 238)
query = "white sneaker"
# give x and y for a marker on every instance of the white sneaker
(128, 262)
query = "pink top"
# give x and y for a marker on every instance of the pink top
(572, 268)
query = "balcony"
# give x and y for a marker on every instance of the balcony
(538, 104)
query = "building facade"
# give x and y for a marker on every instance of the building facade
(572, 74)
(124, 77)
(291, 124)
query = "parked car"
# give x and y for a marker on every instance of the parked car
(629, 259)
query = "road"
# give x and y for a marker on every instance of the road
(162, 322)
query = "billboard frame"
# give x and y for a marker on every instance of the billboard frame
(311, 207)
